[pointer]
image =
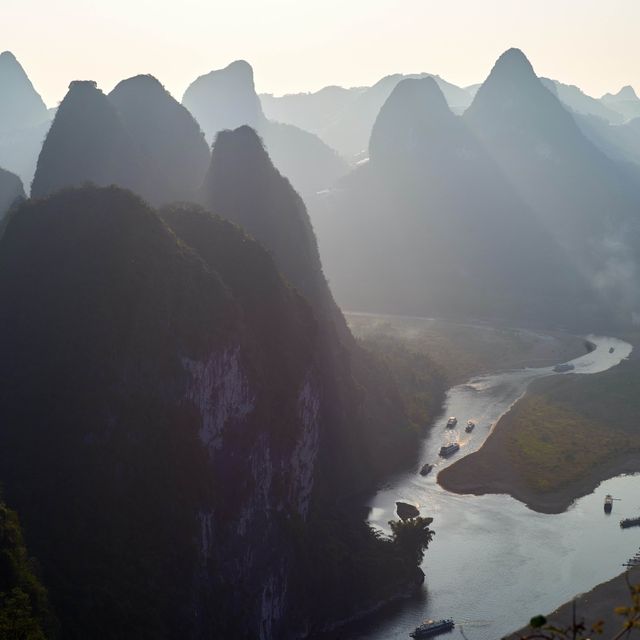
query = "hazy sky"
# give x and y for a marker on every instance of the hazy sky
(300, 45)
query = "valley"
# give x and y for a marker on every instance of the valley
(490, 559)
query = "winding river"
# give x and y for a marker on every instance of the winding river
(494, 563)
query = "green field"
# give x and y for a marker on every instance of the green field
(568, 425)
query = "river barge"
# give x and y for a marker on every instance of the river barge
(629, 522)
(449, 449)
(608, 503)
(431, 628)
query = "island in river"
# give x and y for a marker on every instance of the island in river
(558, 442)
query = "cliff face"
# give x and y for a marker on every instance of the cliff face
(177, 427)
(154, 457)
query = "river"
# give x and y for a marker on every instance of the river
(494, 563)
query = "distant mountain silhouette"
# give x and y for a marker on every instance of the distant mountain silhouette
(20, 104)
(350, 129)
(244, 186)
(574, 190)
(620, 142)
(579, 102)
(138, 137)
(416, 124)
(310, 111)
(435, 224)
(87, 143)
(24, 119)
(10, 190)
(625, 102)
(173, 151)
(226, 99)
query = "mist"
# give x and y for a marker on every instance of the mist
(318, 322)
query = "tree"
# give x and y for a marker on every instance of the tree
(412, 537)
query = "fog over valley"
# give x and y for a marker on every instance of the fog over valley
(357, 362)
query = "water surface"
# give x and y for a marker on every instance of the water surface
(494, 563)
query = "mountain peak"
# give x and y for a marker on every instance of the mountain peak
(244, 139)
(414, 117)
(80, 85)
(626, 93)
(240, 67)
(513, 64)
(244, 186)
(174, 151)
(86, 143)
(225, 99)
(7, 57)
(20, 104)
(513, 91)
(143, 80)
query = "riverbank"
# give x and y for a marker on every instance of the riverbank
(559, 442)
(597, 604)
(465, 350)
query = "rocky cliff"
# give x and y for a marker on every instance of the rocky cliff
(169, 434)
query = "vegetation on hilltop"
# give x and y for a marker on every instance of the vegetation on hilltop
(25, 613)
(102, 302)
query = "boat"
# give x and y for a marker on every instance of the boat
(629, 522)
(471, 425)
(449, 449)
(452, 422)
(611, 349)
(431, 628)
(563, 368)
(426, 469)
(608, 503)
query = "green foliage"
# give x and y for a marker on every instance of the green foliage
(24, 608)
(346, 566)
(100, 304)
(420, 381)
(17, 621)
(561, 416)
(412, 537)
